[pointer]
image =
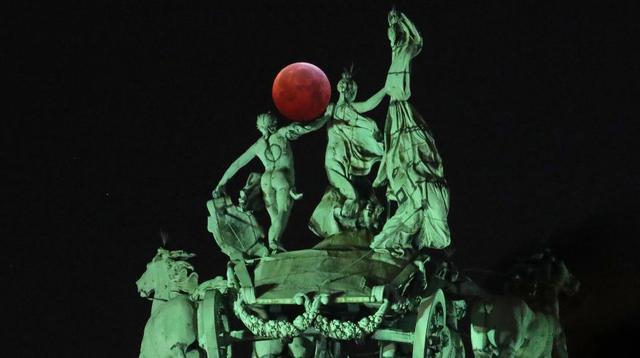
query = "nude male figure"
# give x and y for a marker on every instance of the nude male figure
(278, 180)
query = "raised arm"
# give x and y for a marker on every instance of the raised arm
(369, 104)
(411, 32)
(238, 164)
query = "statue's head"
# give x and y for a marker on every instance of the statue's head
(394, 30)
(542, 276)
(168, 274)
(347, 86)
(393, 17)
(266, 123)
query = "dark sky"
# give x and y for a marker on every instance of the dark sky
(131, 111)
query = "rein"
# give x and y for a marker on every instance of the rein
(157, 299)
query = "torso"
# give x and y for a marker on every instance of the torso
(275, 154)
(344, 112)
(398, 77)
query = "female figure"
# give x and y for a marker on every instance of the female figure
(354, 145)
(411, 166)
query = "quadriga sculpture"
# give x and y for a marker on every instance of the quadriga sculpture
(526, 321)
(372, 277)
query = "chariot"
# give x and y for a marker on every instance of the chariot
(339, 290)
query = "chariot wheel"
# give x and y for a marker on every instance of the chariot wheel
(213, 326)
(431, 335)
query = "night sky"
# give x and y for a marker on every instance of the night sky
(130, 112)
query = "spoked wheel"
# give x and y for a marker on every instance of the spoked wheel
(430, 335)
(213, 326)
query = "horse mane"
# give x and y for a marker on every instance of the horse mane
(179, 270)
(533, 279)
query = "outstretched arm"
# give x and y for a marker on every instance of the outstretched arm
(369, 104)
(296, 130)
(238, 164)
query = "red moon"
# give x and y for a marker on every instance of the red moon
(301, 92)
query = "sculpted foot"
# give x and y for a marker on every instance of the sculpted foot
(295, 195)
(349, 208)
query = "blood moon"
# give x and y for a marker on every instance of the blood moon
(301, 92)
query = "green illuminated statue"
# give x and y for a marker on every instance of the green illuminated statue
(525, 322)
(171, 284)
(278, 180)
(368, 280)
(411, 167)
(354, 146)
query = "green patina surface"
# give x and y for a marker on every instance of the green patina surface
(370, 276)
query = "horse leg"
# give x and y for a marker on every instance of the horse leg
(506, 352)
(301, 347)
(480, 342)
(388, 350)
(177, 351)
(514, 317)
(507, 341)
(268, 349)
(180, 351)
(559, 348)
(479, 314)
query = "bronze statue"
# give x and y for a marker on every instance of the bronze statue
(278, 180)
(360, 282)
(354, 145)
(411, 166)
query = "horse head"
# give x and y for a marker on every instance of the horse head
(542, 275)
(167, 275)
(562, 279)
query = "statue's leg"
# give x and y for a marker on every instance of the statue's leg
(269, 196)
(398, 232)
(341, 183)
(436, 228)
(284, 202)
(281, 203)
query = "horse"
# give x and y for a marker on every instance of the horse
(526, 321)
(171, 330)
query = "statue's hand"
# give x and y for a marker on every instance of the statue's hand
(393, 16)
(218, 192)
